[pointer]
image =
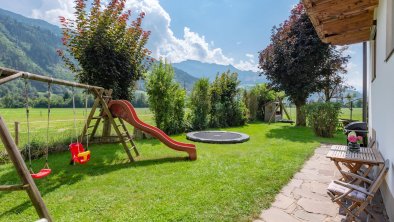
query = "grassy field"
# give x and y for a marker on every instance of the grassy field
(345, 113)
(226, 183)
(61, 127)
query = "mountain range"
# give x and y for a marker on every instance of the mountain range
(30, 45)
(210, 70)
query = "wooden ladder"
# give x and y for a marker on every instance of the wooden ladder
(126, 137)
(122, 134)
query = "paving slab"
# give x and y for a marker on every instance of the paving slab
(275, 215)
(305, 216)
(305, 198)
(318, 207)
(283, 202)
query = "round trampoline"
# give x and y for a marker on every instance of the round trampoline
(217, 137)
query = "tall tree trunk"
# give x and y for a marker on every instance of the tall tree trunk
(327, 94)
(301, 118)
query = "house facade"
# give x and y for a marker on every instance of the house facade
(381, 92)
(343, 22)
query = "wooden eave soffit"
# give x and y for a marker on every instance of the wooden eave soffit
(342, 22)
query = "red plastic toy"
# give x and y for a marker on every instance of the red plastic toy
(43, 173)
(78, 153)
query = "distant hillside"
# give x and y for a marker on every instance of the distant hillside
(31, 22)
(209, 70)
(185, 79)
(30, 45)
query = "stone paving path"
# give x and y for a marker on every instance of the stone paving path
(304, 198)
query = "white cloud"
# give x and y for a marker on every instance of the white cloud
(247, 66)
(163, 42)
(50, 10)
(249, 55)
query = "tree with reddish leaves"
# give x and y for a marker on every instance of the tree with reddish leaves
(103, 48)
(296, 61)
(332, 82)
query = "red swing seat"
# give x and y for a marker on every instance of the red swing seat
(43, 173)
(78, 153)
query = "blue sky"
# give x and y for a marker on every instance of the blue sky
(220, 31)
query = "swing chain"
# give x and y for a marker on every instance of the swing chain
(86, 120)
(75, 118)
(48, 120)
(28, 121)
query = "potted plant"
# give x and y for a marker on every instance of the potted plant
(353, 139)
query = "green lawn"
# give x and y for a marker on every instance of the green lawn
(345, 113)
(61, 127)
(226, 183)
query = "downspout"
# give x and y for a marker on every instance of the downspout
(365, 105)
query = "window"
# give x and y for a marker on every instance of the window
(390, 29)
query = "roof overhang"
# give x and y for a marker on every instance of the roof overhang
(342, 22)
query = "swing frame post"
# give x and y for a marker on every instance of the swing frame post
(23, 172)
(102, 95)
(27, 182)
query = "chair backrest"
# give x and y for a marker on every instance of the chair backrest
(372, 139)
(379, 178)
(372, 143)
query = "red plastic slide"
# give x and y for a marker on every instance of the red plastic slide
(123, 109)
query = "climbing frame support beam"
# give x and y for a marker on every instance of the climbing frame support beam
(7, 75)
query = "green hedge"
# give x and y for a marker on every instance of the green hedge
(323, 117)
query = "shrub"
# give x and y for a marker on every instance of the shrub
(200, 105)
(178, 109)
(227, 106)
(323, 117)
(166, 98)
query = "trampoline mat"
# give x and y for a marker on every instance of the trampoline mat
(217, 137)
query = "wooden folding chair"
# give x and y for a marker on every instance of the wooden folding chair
(358, 196)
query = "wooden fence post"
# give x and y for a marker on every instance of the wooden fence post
(17, 133)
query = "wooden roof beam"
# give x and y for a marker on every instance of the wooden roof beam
(364, 20)
(349, 37)
(324, 8)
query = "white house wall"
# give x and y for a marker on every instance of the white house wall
(381, 105)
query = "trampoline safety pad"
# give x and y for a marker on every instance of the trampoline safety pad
(217, 137)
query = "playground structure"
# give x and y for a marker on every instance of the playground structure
(110, 110)
(273, 112)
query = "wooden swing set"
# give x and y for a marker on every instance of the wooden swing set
(79, 154)
(279, 108)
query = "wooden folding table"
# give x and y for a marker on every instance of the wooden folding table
(368, 157)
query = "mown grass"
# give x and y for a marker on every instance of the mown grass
(226, 183)
(61, 126)
(345, 113)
